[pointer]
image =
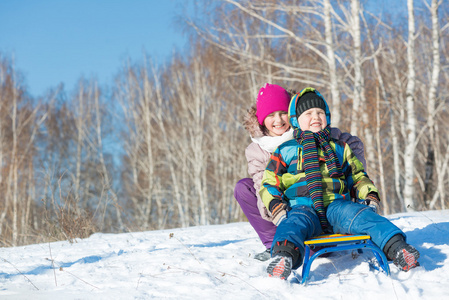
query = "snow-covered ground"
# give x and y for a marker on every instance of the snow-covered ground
(216, 262)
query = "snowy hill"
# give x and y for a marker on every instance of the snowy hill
(216, 262)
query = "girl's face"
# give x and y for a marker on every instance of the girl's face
(313, 119)
(277, 123)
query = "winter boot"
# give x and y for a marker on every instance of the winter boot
(406, 258)
(285, 257)
(280, 266)
(402, 254)
(263, 256)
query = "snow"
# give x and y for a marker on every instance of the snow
(216, 262)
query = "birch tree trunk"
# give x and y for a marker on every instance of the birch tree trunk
(410, 147)
(432, 149)
(3, 149)
(14, 165)
(397, 120)
(3, 190)
(441, 171)
(80, 124)
(358, 84)
(147, 111)
(380, 160)
(333, 78)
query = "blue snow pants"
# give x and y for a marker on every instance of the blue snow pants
(345, 217)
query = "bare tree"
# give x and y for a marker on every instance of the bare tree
(105, 172)
(18, 126)
(330, 50)
(135, 96)
(410, 147)
(358, 101)
(432, 150)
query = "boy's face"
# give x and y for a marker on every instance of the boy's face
(313, 119)
(277, 123)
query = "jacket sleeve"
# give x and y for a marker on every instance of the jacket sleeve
(358, 181)
(272, 190)
(354, 143)
(257, 162)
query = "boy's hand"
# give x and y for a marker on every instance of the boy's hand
(373, 201)
(279, 213)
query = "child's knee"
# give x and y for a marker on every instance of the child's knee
(244, 188)
(344, 214)
(305, 217)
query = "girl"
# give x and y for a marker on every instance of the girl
(268, 126)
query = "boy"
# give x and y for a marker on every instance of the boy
(315, 177)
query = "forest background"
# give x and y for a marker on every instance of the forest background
(162, 146)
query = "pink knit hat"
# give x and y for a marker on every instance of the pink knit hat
(271, 98)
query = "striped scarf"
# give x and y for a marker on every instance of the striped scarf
(310, 140)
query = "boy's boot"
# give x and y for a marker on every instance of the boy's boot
(280, 266)
(285, 257)
(402, 254)
(263, 256)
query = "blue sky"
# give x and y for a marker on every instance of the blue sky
(55, 41)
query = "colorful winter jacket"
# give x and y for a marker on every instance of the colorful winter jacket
(284, 179)
(259, 151)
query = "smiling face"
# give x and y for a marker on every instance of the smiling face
(313, 119)
(277, 123)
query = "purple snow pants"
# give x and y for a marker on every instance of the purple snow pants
(245, 194)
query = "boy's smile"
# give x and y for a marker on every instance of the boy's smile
(313, 119)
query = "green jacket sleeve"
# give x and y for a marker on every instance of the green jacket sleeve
(358, 180)
(272, 189)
